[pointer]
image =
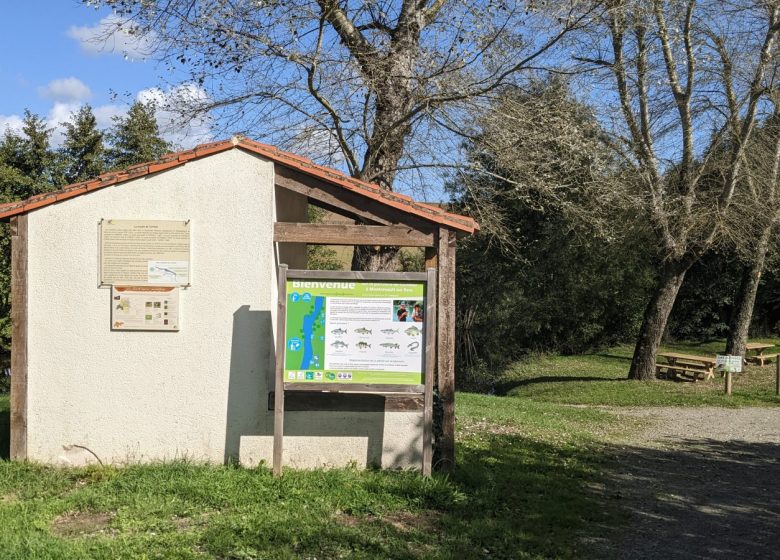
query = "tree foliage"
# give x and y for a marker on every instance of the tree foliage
(29, 165)
(83, 151)
(368, 85)
(543, 276)
(688, 81)
(135, 137)
(377, 87)
(321, 257)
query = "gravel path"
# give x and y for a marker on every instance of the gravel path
(701, 483)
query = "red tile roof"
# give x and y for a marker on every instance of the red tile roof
(399, 201)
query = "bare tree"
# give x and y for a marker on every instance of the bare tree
(550, 147)
(688, 80)
(761, 200)
(375, 86)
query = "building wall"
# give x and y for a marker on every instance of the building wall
(200, 393)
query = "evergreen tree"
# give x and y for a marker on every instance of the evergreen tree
(83, 153)
(135, 138)
(37, 160)
(16, 182)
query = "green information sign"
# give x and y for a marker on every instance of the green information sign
(354, 331)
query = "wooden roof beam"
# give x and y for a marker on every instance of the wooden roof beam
(346, 202)
(345, 234)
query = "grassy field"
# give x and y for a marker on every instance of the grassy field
(526, 486)
(600, 379)
(521, 491)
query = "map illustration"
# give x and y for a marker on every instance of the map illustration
(305, 331)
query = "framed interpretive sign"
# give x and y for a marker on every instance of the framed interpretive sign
(144, 308)
(145, 252)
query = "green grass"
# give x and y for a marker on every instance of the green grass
(526, 485)
(5, 426)
(600, 379)
(520, 491)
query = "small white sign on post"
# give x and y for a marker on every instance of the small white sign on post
(725, 364)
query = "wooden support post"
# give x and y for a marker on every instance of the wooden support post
(446, 347)
(729, 376)
(281, 325)
(430, 368)
(19, 337)
(777, 377)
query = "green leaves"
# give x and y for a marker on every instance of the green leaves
(135, 137)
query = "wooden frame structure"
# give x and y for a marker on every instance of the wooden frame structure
(426, 389)
(383, 226)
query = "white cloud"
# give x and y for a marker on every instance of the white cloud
(113, 35)
(10, 122)
(63, 112)
(173, 110)
(104, 115)
(66, 90)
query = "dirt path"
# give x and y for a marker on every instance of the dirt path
(701, 483)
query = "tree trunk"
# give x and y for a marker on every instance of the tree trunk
(385, 149)
(655, 319)
(374, 258)
(742, 313)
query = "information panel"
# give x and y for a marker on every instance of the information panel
(725, 363)
(145, 252)
(144, 308)
(355, 331)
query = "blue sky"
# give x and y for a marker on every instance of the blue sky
(51, 64)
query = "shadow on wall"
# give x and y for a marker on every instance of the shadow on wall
(251, 349)
(251, 381)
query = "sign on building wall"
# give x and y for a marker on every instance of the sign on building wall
(145, 252)
(144, 308)
(354, 331)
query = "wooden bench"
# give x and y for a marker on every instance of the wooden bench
(697, 367)
(759, 359)
(681, 369)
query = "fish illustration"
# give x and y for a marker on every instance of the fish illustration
(390, 345)
(389, 331)
(330, 375)
(338, 332)
(363, 345)
(339, 344)
(413, 331)
(363, 330)
(413, 345)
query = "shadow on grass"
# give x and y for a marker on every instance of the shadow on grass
(526, 497)
(510, 497)
(505, 388)
(705, 499)
(708, 499)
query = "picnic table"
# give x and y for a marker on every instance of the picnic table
(687, 365)
(758, 348)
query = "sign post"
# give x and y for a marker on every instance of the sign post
(728, 365)
(359, 332)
